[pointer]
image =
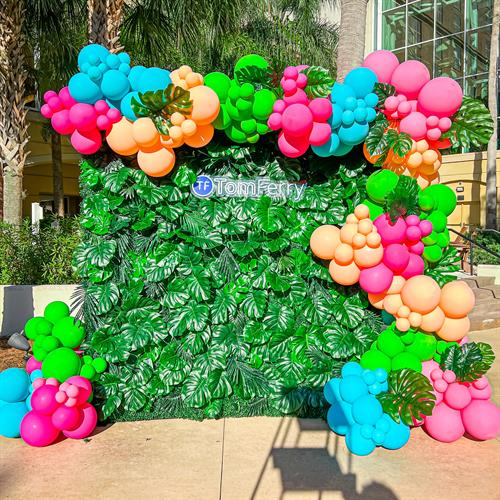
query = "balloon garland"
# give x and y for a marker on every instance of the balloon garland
(418, 371)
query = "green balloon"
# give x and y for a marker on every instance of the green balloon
(430, 239)
(31, 327)
(263, 104)
(408, 337)
(406, 360)
(424, 346)
(380, 184)
(438, 220)
(248, 61)
(69, 331)
(444, 198)
(375, 208)
(50, 343)
(425, 201)
(373, 359)
(55, 311)
(389, 343)
(88, 371)
(432, 253)
(99, 365)
(61, 364)
(219, 83)
(443, 239)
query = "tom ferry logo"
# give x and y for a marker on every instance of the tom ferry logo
(206, 186)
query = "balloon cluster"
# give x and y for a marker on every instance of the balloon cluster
(244, 110)
(59, 407)
(303, 122)
(419, 302)
(461, 407)
(356, 413)
(354, 105)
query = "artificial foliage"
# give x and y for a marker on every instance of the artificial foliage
(212, 307)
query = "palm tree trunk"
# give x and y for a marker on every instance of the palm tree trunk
(13, 119)
(57, 175)
(105, 19)
(351, 46)
(491, 171)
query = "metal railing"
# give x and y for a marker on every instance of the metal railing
(473, 242)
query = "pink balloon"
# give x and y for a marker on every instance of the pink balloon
(274, 121)
(376, 279)
(38, 430)
(83, 116)
(441, 97)
(415, 125)
(67, 418)
(426, 227)
(482, 392)
(84, 385)
(409, 77)
(46, 111)
(321, 109)
(415, 266)
(297, 120)
(86, 143)
(396, 257)
(66, 98)
(43, 399)
(382, 63)
(481, 419)
(445, 424)
(292, 146)
(417, 248)
(389, 232)
(61, 122)
(88, 423)
(33, 365)
(320, 134)
(457, 396)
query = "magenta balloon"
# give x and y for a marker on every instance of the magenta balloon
(86, 143)
(67, 418)
(445, 423)
(66, 98)
(396, 257)
(46, 111)
(43, 399)
(414, 125)
(321, 109)
(61, 122)
(376, 279)
(390, 233)
(83, 116)
(482, 419)
(409, 77)
(382, 63)
(292, 147)
(88, 423)
(297, 120)
(84, 385)
(415, 266)
(38, 430)
(320, 134)
(33, 365)
(441, 97)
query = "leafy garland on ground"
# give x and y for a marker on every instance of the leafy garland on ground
(215, 307)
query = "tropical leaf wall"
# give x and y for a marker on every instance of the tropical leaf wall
(212, 307)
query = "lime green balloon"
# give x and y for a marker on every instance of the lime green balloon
(99, 365)
(61, 364)
(55, 311)
(443, 239)
(88, 371)
(375, 208)
(69, 331)
(438, 220)
(380, 184)
(219, 83)
(408, 337)
(430, 239)
(444, 198)
(39, 353)
(389, 343)
(50, 343)
(263, 104)
(31, 327)
(246, 62)
(425, 201)
(373, 359)
(406, 360)
(424, 346)
(432, 253)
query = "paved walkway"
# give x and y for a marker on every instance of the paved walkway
(252, 458)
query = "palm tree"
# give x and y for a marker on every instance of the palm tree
(351, 46)
(104, 22)
(13, 114)
(491, 172)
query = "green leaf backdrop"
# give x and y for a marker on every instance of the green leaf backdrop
(215, 307)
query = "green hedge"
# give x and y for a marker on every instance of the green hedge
(212, 307)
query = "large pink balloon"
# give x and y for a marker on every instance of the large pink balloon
(38, 430)
(482, 419)
(61, 123)
(83, 116)
(88, 423)
(376, 279)
(382, 63)
(43, 399)
(445, 423)
(441, 97)
(414, 125)
(415, 266)
(84, 386)
(297, 120)
(409, 77)
(86, 143)
(292, 146)
(67, 418)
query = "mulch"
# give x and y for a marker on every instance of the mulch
(10, 357)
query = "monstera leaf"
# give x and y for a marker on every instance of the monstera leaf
(443, 270)
(469, 361)
(403, 199)
(319, 82)
(383, 91)
(382, 141)
(260, 78)
(409, 396)
(471, 125)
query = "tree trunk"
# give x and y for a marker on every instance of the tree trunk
(105, 19)
(57, 175)
(351, 46)
(491, 171)
(13, 113)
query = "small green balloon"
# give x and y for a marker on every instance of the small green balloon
(219, 83)
(389, 343)
(248, 61)
(430, 239)
(263, 104)
(373, 359)
(425, 201)
(69, 331)
(432, 253)
(408, 337)
(406, 360)
(99, 365)
(31, 327)
(380, 184)
(443, 239)
(55, 311)
(39, 353)
(50, 343)
(88, 371)
(444, 198)
(44, 327)
(61, 364)
(438, 220)
(424, 346)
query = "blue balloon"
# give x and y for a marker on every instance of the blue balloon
(154, 79)
(340, 92)
(28, 401)
(135, 75)
(380, 375)
(366, 409)
(351, 368)
(337, 420)
(115, 85)
(361, 80)
(347, 117)
(342, 150)
(124, 58)
(360, 114)
(371, 100)
(11, 416)
(397, 435)
(14, 385)
(83, 89)
(336, 119)
(352, 387)
(350, 103)
(93, 51)
(126, 105)
(113, 61)
(355, 134)
(358, 444)
(35, 374)
(371, 114)
(328, 148)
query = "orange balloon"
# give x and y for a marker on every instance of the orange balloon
(202, 137)
(457, 299)
(402, 324)
(347, 233)
(365, 226)
(454, 329)
(324, 241)
(398, 282)
(167, 142)
(392, 303)
(359, 241)
(145, 132)
(344, 254)
(206, 105)
(344, 275)
(120, 138)
(377, 299)
(362, 212)
(415, 319)
(421, 294)
(371, 159)
(156, 163)
(432, 321)
(368, 257)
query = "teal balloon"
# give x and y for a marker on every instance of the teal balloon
(92, 51)
(14, 385)
(337, 420)
(371, 114)
(357, 443)
(126, 105)
(361, 80)
(352, 388)
(135, 75)
(83, 89)
(11, 416)
(154, 79)
(366, 409)
(387, 318)
(328, 148)
(115, 85)
(340, 92)
(355, 134)
(342, 150)
(336, 119)
(371, 100)
(352, 368)
(397, 435)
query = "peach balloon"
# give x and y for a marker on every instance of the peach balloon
(402, 324)
(347, 233)
(344, 275)
(324, 240)
(433, 321)
(157, 163)
(365, 226)
(206, 105)
(454, 329)
(202, 136)
(457, 299)
(415, 319)
(398, 282)
(145, 132)
(362, 212)
(421, 294)
(368, 257)
(392, 303)
(120, 138)
(344, 254)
